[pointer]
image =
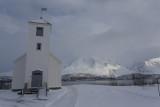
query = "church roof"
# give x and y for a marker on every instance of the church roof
(40, 21)
(25, 54)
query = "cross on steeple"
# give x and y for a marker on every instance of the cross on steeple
(42, 9)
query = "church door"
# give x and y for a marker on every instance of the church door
(37, 78)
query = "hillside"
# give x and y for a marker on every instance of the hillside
(151, 66)
(95, 66)
(9, 74)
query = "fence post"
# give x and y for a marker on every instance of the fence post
(46, 89)
(158, 86)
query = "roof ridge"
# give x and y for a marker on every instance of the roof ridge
(40, 21)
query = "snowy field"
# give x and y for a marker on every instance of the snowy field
(87, 96)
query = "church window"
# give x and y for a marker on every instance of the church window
(39, 45)
(39, 31)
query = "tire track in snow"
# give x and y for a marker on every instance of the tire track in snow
(57, 98)
(67, 99)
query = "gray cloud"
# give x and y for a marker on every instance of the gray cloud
(126, 31)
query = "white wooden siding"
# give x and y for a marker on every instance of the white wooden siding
(19, 72)
(54, 77)
(38, 59)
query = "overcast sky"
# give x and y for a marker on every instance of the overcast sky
(125, 31)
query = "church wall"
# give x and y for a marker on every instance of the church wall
(19, 73)
(54, 75)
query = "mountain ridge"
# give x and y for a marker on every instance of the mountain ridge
(151, 66)
(96, 66)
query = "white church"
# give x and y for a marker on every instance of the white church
(38, 67)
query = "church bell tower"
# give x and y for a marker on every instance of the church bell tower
(37, 62)
(38, 68)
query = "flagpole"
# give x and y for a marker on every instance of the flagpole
(41, 13)
(41, 9)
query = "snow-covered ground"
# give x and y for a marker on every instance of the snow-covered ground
(87, 96)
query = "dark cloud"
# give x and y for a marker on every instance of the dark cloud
(126, 31)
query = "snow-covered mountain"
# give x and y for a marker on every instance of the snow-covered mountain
(95, 66)
(151, 66)
(10, 73)
(6, 76)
